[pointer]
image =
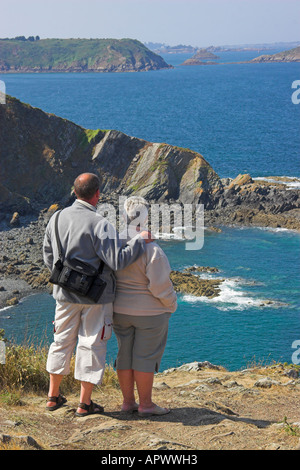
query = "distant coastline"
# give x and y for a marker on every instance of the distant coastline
(201, 56)
(77, 55)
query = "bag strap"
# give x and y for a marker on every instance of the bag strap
(60, 250)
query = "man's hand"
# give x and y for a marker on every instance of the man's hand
(148, 237)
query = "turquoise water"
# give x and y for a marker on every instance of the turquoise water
(232, 330)
(241, 119)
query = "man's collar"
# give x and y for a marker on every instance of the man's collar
(87, 204)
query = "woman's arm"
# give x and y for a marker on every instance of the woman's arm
(158, 272)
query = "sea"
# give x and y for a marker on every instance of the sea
(241, 117)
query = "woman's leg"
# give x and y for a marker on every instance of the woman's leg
(144, 384)
(150, 340)
(126, 381)
(125, 331)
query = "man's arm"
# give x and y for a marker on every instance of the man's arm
(111, 249)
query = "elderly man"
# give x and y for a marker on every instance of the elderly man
(86, 236)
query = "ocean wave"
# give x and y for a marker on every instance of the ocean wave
(291, 182)
(6, 308)
(232, 297)
(186, 232)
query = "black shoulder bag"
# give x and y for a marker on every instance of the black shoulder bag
(77, 276)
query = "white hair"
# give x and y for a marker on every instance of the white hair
(136, 207)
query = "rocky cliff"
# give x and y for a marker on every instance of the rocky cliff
(41, 155)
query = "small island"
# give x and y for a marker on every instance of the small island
(202, 57)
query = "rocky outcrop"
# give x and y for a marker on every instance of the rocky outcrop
(202, 57)
(266, 202)
(291, 55)
(189, 283)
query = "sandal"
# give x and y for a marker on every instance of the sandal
(91, 409)
(60, 401)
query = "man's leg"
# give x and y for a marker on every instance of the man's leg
(85, 395)
(95, 330)
(67, 319)
(55, 380)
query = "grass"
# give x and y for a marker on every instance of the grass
(289, 429)
(25, 372)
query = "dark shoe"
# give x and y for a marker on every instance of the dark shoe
(60, 401)
(91, 409)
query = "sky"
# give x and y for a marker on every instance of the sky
(199, 23)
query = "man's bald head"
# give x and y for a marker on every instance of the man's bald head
(86, 185)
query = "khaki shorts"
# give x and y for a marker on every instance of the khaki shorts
(88, 326)
(141, 341)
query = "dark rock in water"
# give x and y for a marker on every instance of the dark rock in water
(201, 269)
(187, 283)
(13, 301)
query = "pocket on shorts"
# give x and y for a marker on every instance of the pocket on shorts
(106, 330)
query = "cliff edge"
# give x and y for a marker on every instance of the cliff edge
(211, 409)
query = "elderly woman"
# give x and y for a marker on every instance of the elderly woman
(145, 299)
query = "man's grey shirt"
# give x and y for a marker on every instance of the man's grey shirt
(90, 238)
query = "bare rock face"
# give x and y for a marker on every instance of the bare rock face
(41, 155)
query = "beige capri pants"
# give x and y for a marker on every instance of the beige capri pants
(141, 341)
(88, 326)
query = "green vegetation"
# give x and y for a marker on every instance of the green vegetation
(21, 38)
(86, 136)
(289, 429)
(25, 371)
(76, 55)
